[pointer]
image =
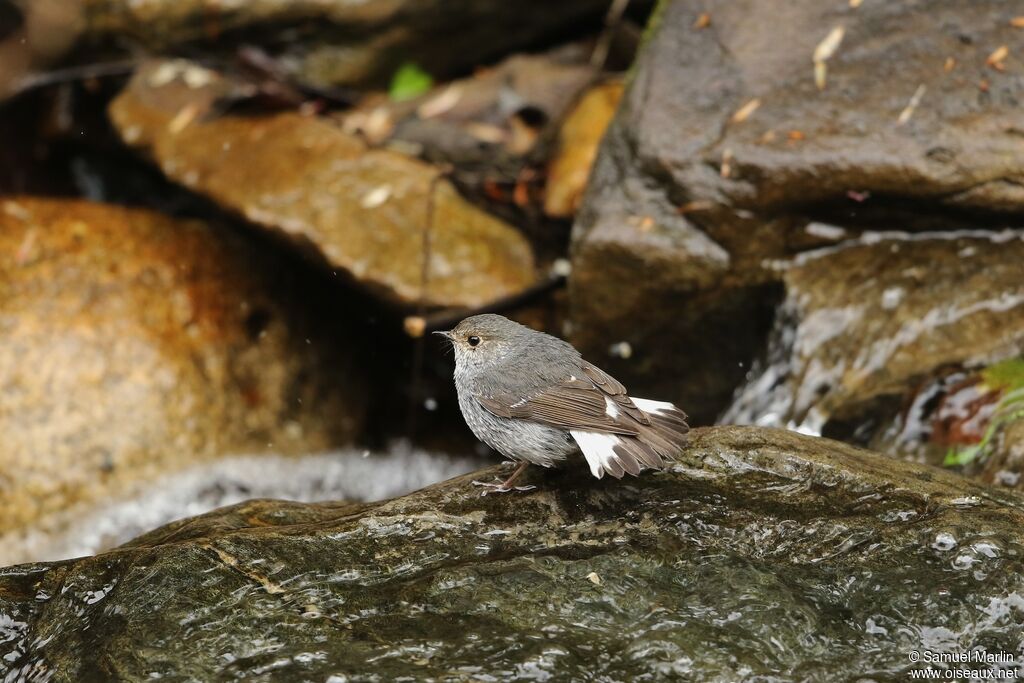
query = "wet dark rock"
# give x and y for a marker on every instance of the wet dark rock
(865, 324)
(725, 149)
(360, 210)
(342, 42)
(762, 553)
(135, 344)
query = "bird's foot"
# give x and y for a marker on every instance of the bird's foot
(502, 487)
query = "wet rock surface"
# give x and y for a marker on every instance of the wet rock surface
(762, 552)
(360, 210)
(135, 344)
(730, 142)
(342, 42)
(868, 321)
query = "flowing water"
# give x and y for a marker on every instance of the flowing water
(350, 475)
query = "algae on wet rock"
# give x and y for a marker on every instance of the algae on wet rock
(761, 553)
(867, 321)
(360, 210)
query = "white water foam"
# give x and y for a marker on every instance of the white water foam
(349, 475)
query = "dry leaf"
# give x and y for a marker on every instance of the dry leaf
(769, 136)
(855, 3)
(820, 72)
(996, 59)
(744, 112)
(696, 205)
(949, 65)
(486, 132)
(440, 104)
(183, 118)
(1017, 22)
(829, 45)
(376, 197)
(726, 169)
(521, 194)
(594, 578)
(915, 100)
(493, 191)
(703, 21)
(795, 135)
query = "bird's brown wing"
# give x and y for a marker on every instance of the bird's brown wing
(580, 403)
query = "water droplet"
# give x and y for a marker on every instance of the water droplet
(944, 541)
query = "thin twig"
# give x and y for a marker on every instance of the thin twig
(604, 41)
(416, 385)
(77, 73)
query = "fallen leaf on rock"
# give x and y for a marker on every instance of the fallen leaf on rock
(820, 74)
(441, 103)
(376, 197)
(696, 205)
(703, 21)
(949, 65)
(998, 56)
(744, 112)
(183, 118)
(915, 100)
(1017, 22)
(823, 52)
(486, 132)
(725, 170)
(593, 578)
(827, 47)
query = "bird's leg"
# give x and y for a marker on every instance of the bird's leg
(506, 486)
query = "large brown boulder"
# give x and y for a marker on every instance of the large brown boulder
(737, 134)
(135, 344)
(361, 210)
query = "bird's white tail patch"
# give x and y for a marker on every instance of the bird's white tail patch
(649, 406)
(598, 449)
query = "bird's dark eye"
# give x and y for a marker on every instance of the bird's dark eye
(473, 341)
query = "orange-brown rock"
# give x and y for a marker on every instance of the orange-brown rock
(135, 344)
(363, 210)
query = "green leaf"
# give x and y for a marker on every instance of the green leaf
(1008, 374)
(955, 457)
(408, 82)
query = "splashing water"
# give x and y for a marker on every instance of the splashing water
(349, 475)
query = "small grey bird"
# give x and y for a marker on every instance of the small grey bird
(533, 398)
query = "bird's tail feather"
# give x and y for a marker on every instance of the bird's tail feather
(654, 447)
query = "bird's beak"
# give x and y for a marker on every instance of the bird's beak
(444, 333)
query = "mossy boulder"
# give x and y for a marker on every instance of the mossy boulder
(761, 553)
